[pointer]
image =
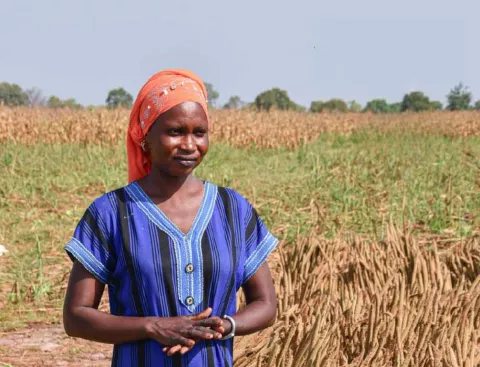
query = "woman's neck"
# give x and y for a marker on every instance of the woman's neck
(160, 185)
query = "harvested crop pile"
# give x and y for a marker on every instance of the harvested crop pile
(351, 302)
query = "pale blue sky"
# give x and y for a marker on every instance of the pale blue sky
(313, 49)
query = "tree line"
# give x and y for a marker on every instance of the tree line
(459, 98)
(14, 95)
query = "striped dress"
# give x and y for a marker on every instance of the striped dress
(152, 268)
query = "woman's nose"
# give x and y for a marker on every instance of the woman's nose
(187, 143)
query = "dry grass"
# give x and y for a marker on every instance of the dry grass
(351, 302)
(240, 128)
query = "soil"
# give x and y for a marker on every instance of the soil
(48, 345)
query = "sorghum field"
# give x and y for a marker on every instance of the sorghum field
(378, 216)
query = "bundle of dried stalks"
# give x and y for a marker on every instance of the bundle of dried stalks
(352, 302)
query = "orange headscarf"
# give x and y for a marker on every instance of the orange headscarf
(161, 92)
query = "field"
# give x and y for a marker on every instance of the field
(378, 216)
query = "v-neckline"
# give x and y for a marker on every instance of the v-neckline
(166, 219)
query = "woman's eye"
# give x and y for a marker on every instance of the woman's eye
(174, 132)
(200, 133)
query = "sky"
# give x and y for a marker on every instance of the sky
(315, 50)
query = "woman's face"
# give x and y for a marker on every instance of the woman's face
(178, 140)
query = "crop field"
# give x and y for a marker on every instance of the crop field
(378, 216)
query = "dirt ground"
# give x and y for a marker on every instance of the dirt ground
(50, 346)
(41, 346)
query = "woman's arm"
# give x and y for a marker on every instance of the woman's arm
(82, 318)
(261, 308)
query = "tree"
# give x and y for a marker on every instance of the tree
(275, 98)
(477, 105)
(377, 106)
(332, 105)
(416, 102)
(297, 107)
(35, 97)
(12, 95)
(234, 102)
(212, 94)
(336, 104)
(436, 106)
(55, 102)
(119, 98)
(71, 103)
(316, 106)
(459, 98)
(354, 106)
(395, 107)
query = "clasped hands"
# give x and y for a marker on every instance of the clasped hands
(179, 334)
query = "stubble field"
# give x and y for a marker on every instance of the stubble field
(378, 216)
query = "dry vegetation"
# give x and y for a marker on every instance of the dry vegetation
(239, 128)
(390, 298)
(351, 302)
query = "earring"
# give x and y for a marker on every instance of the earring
(143, 144)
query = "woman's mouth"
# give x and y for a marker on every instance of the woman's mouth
(186, 162)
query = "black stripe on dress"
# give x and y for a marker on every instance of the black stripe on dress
(251, 224)
(123, 213)
(207, 281)
(93, 224)
(229, 213)
(168, 271)
(115, 362)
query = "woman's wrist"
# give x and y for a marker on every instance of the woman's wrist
(148, 327)
(231, 327)
(227, 325)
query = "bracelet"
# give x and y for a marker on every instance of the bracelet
(231, 334)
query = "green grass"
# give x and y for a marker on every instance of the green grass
(353, 183)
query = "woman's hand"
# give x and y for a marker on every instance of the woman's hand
(182, 332)
(257, 315)
(217, 331)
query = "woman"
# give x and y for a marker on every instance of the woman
(172, 248)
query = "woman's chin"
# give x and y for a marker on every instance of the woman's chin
(175, 170)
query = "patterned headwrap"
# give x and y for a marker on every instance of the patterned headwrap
(161, 92)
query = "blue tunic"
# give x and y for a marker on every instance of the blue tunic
(153, 269)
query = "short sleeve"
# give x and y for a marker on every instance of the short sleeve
(91, 243)
(259, 243)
